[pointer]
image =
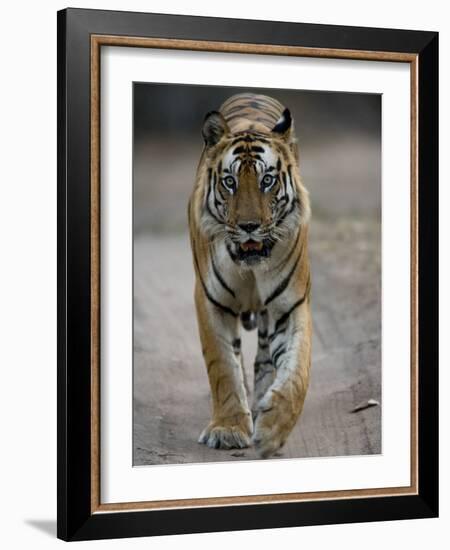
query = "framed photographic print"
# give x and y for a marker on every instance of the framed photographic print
(247, 256)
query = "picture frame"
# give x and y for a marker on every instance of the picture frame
(81, 36)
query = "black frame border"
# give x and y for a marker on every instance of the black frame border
(75, 520)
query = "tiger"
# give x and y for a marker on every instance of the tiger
(248, 217)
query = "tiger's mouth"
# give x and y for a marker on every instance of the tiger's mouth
(251, 245)
(252, 252)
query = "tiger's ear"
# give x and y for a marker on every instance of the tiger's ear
(214, 127)
(283, 127)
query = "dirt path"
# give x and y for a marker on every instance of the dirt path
(171, 393)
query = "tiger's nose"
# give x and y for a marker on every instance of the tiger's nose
(249, 227)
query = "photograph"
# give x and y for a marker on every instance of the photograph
(223, 275)
(247, 274)
(256, 274)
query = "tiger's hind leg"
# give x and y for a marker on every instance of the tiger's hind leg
(264, 371)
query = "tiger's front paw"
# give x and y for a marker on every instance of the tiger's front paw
(276, 416)
(232, 433)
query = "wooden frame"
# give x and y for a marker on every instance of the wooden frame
(81, 34)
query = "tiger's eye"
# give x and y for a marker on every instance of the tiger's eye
(267, 181)
(229, 183)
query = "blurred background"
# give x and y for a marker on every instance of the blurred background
(339, 136)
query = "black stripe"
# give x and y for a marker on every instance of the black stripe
(232, 110)
(208, 208)
(276, 104)
(240, 99)
(220, 306)
(294, 203)
(271, 112)
(255, 136)
(266, 121)
(221, 194)
(284, 178)
(211, 213)
(234, 117)
(285, 261)
(281, 349)
(286, 315)
(276, 333)
(220, 279)
(282, 202)
(284, 283)
(236, 140)
(278, 325)
(217, 203)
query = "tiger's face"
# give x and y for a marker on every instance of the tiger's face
(252, 198)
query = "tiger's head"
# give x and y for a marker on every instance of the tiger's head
(254, 198)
